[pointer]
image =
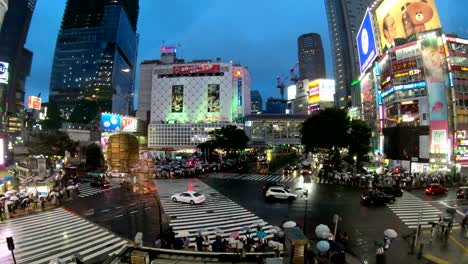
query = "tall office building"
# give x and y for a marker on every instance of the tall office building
(256, 100)
(311, 57)
(3, 10)
(344, 20)
(95, 58)
(15, 61)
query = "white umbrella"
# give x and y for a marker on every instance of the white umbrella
(9, 202)
(54, 194)
(218, 231)
(183, 233)
(10, 192)
(14, 198)
(43, 196)
(322, 231)
(390, 233)
(289, 224)
(71, 187)
(2, 198)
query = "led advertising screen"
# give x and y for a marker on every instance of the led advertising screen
(34, 102)
(4, 72)
(110, 121)
(399, 20)
(314, 92)
(2, 151)
(177, 105)
(213, 98)
(291, 92)
(197, 68)
(365, 40)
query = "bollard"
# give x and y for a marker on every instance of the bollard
(421, 249)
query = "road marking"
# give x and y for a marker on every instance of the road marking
(106, 210)
(132, 204)
(458, 211)
(459, 244)
(132, 212)
(435, 259)
(118, 207)
(120, 215)
(147, 208)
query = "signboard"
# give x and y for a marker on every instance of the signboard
(2, 151)
(314, 91)
(34, 102)
(402, 66)
(114, 122)
(365, 40)
(291, 92)
(409, 50)
(197, 68)
(4, 72)
(399, 20)
(239, 91)
(213, 98)
(177, 103)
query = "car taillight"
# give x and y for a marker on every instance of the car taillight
(428, 189)
(363, 197)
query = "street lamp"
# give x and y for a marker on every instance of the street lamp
(355, 162)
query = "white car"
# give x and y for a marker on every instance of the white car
(116, 174)
(188, 197)
(278, 192)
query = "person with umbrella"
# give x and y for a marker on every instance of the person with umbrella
(199, 242)
(380, 253)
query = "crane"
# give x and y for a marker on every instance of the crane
(281, 80)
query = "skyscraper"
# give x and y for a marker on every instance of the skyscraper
(94, 63)
(13, 34)
(3, 10)
(311, 57)
(344, 20)
(256, 100)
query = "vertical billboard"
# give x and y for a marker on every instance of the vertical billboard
(399, 20)
(177, 104)
(365, 40)
(34, 102)
(2, 151)
(314, 91)
(4, 72)
(213, 98)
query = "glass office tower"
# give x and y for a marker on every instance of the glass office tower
(95, 56)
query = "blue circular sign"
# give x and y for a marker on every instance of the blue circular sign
(3, 68)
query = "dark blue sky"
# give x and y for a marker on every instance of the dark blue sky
(260, 34)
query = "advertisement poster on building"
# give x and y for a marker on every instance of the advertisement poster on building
(177, 105)
(213, 98)
(399, 20)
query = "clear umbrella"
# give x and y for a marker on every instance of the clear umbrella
(323, 246)
(390, 233)
(14, 198)
(322, 231)
(289, 224)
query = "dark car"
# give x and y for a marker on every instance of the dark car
(287, 170)
(267, 186)
(435, 188)
(462, 192)
(375, 197)
(99, 183)
(393, 190)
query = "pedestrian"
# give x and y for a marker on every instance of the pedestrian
(199, 242)
(170, 238)
(433, 232)
(386, 243)
(157, 242)
(380, 255)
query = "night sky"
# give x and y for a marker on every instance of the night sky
(259, 34)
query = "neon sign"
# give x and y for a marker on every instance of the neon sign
(404, 87)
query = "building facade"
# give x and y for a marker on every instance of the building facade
(257, 102)
(16, 61)
(344, 19)
(190, 99)
(3, 10)
(276, 106)
(311, 57)
(95, 56)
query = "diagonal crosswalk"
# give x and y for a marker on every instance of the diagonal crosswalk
(217, 212)
(255, 177)
(413, 210)
(42, 237)
(86, 189)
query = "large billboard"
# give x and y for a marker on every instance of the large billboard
(365, 40)
(213, 98)
(291, 92)
(314, 91)
(177, 104)
(196, 68)
(4, 72)
(34, 102)
(2, 151)
(399, 20)
(114, 122)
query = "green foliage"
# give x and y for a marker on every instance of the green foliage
(53, 120)
(229, 138)
(52, 143)
(281, 160)
(359, 141)
(94, 157)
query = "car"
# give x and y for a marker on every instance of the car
(282, 193)
(435, 188)
(116, 174)
(267, 186)
(376, 197)
(393, 190)
(462, 192)
(99, 183)
(188, 197)
(287, 170)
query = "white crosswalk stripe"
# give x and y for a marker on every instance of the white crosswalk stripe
(86, 190)
(42, 237)
(217, 212)
(413, 210)
(255, 177)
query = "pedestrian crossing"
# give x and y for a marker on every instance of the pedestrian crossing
(86, 189)
(412, 209)
(255, 177)
(217, 213)
(57, 233)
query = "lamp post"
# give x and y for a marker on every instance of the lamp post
(355, 163)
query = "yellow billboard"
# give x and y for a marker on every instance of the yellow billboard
(314, 91)
(398, 20)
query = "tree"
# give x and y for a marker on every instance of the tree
(94, 157)
(359, 141)
(52, 143)
(53, 119)
(229, 138)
